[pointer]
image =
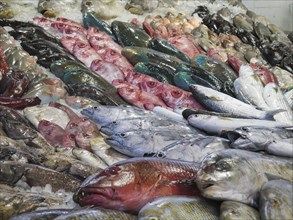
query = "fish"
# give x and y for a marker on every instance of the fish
(139, 7)
(163, 112)
(106, 152)
(232, 210)
(249, 88)
(89, 158)
(289, 97)
(264, 73)
(52, 8)
(141, 179)
(214, 124)
(42, 214)
(179, 207)
(103, 115)
(78, 102)
(38, 176)
(276, 200)
(275, 99)
(284, 77)
(6, 11)
(137, 143)
(143, 123)
(276, 141)
(238, 175)
(223, 103)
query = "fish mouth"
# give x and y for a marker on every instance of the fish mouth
(106, 131)
(112, 142)
(87, 112)
(93, 195)
(206, 185)
(232, 135)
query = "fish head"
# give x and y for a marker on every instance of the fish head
(68, 141)
(172, 96)
(225, 176)
(235, 210)
(152, 86)
(109, 128)
(130, 94)
(96, 113)
(68, 42)
(50, 131)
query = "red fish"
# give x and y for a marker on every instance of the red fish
(70, 22)
(68, 42)
(60, 30)
(185, 45)
(108, 71)
(130, 184)
(175, 97)
(217, 54)
(152, 86)
(265, 75)
(85, 53)
(43, 22)
(235, 63)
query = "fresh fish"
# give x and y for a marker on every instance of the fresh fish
(231, 210)
(289, 97)
(277, 141)
(37, 113)
(249, 88)
(108, 71)
(264, 73)
(262, 31)
(276, 100)
(88, 158)
(140, 142)
(106, 152)
(216, 124)
(38, 176)
(179, 207)
(78, 102)
(139, 7)
(284, 77)
(103, 115)
(276, 200)
(163, 112)
(238, 175)
(223, 103)
(242, 22)
(6, 11)
(43, 214)
(51, 8)
(97, 214)
(141, 179)
(143, 123)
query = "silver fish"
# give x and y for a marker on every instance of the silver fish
(103, 115)
(289, 96)
(276, 100)
(138, 143)
(276, 200)
(238, 175)
(89, 158)
(231, 210)
(216, 124)
(220, 102)
(179, 207)
(275, 141)
(249, 88)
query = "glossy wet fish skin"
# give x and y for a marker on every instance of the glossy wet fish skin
(238, 175)
(276, 200)
(232, 210)
(43, 214)
(110, 189)
(179, 207)
(88, 157)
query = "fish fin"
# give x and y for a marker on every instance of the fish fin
(270, 176)
(270, 114)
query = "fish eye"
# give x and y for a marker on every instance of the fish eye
(95, 107)
(122, 135)
(176, 93)
(113, 170)
(222, 165)
(114, 122)
(244, 129)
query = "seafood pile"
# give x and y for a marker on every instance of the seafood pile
(152, 116)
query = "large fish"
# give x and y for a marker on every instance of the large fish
(276, 200)
(238, 175)
(223, 103)
(231, 210)
(129, 185)
(179, 207)
(277, 141)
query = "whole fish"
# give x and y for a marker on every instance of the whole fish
(276, 200)
(216, 124)
(238, 175)
(143, 123)
(277, 141)
(179, 207)
(275, 99)
(249, 89)
(163, 112)
(137, 143)
(103, 115)
(231, 210)
(6, 10)
(223, 103)
(130, 184)
(78, 102)
(97, 214)
(42, 214)
(89, 158)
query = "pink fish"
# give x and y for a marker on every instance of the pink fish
(185, 45)
(71, 114)
(235, 62)
(175, 97)
(217, 54)
(264, 74)
(68, 141)
(68, 42)
(108, 71)
(152, 86)
(83, 140)
(43, 22)
(85, 53)
(60, 30)
(70, 22)
(139, 98)
(118, 83)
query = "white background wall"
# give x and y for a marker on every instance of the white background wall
(279, 12)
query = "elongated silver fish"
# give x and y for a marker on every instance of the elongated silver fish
(289, 96)
(216, 124)
(238, 175)
(231, 210)
(89, 158)
(249, 88)
(179, 207)
(220, 102)
(275, 99)
(276, 200)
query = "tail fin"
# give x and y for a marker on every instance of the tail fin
(270, 114)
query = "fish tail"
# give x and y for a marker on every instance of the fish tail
(270, 114)
(187, 112)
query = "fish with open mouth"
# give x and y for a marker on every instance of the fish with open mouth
(238, 175)
(130, 184)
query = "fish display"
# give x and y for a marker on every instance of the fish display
(144, 110)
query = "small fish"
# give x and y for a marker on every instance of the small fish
(179, 207)
(43, 214)
(131, 184)
(276, 200)
(231, 210)
(238, 175)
